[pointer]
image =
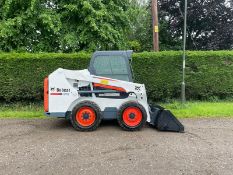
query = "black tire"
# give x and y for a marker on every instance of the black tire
(120, 116)
(96, 110)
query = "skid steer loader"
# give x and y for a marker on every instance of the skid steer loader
(104, 91)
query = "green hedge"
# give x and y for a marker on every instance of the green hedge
(208, 74)
(22, 75)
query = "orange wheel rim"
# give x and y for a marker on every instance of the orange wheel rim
(132, 116)
(85, 116)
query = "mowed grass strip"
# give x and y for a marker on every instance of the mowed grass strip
(201, 109)
(194, 109)
(21, 110)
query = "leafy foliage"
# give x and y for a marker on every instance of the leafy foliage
(64, 25)
(140, 26)
(75, 25)
(208, 74)
(209, 23)
(91, 25)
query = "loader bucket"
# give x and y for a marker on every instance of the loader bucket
(164, 120)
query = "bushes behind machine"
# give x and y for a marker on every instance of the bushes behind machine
(208, 74)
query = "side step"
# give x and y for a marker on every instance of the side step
(164, 120)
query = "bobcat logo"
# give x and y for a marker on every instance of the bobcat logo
(52, 89)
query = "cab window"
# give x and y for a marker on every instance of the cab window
(112, 67)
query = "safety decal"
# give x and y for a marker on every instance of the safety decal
(55, 93)
(106, 82)
(137, 88)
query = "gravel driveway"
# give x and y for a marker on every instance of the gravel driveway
(51, 146)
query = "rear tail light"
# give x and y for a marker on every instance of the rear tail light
(46, 95)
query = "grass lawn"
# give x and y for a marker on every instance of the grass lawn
(201, 109)
(19, 110)
(189, 110)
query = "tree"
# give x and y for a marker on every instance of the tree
(28, 26)
(62, 25)
(95, 24)
(140, 30)
(74, 25)
(140, 26)
(209, 23)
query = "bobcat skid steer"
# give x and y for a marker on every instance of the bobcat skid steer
(104, 91)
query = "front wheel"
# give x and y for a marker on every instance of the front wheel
(132, 116)
(86, 116)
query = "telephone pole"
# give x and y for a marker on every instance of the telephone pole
(154, 8)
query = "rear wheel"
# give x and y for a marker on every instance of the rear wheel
(86, 116)
(132, 116)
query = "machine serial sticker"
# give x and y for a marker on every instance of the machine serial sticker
(109, 95)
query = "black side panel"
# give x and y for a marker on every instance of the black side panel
(164, 120)
(109, 113)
